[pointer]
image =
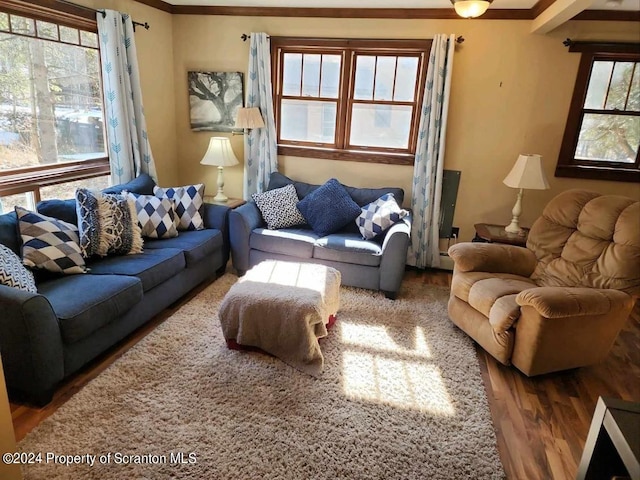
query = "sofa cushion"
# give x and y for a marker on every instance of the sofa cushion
(64, 210)
(379, 215)
(195, 244)
(156, 216)
(329, 208)
(142, 184)
(84, 303)
(348, 248)
(12, 271)
(49, 243)
(297, 242)
(9, 233)
(108, 224)
(278, 207)
(152, 267)
(188, 201)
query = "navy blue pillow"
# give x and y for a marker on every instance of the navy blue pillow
(328, 208)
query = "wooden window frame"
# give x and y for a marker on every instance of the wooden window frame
(568, 165)
(349, 49)
(30, 179)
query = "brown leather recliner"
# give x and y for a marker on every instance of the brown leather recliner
(561, 302)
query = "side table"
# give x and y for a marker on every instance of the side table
(231, 203)
(490, 233)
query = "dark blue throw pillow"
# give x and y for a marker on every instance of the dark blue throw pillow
(328, 208)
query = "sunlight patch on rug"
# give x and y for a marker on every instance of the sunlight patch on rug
(378, 337)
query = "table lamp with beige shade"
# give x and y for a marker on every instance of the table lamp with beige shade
(220, 154)
(527, 173)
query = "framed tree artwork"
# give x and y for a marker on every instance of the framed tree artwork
(214, 99)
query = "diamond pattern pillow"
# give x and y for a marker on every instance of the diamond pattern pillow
(156, 216)
(13, 273)
(379, 215)
(188, 201)
(278, 207)
(108, 224)
(49, 243)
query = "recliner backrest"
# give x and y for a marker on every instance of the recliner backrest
(585, 239)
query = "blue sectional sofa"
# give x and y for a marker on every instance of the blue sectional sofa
(377, 264)
(46, 337)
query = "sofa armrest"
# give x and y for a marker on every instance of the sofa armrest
(30, 344)
(217, 216)
(394, 256)
(242, 221)
(563, 302)
(493, 258)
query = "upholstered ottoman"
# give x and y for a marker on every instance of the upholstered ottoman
(283, 308)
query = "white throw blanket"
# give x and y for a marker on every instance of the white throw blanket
(282, 308)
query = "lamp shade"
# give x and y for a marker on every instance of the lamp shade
(249, 118)
(471, 8)
(527, 173)
(219, 153)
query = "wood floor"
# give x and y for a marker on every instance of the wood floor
(541, 423)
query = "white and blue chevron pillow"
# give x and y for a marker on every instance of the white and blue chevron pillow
(13, 273)
(379, 215)
(49, 243)
(188, 202)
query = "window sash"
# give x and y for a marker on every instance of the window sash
(342, 148)
(570, 166)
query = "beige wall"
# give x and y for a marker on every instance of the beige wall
(155, 57)
(510, 95)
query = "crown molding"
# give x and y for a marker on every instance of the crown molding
(384, 13)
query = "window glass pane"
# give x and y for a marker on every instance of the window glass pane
(330, 81)
(365, 68)
(598, 83)
(619, 88)
(62, 84)
(22, 25)
(4, 21)
(613, 138)
(385, 76)
(24, 200)
(292, 74)
(633, 104)
(89, 39)
(308, 121)
(68, 190)
(69, 35)
(406, 79)
(311, 75)
(384, 126)
(47, 30)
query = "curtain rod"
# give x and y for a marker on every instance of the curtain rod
(245, 37)
(138, 24)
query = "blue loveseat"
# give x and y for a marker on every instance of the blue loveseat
(46, 337)
(376, 264)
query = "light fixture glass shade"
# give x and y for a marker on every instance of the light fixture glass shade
(249, 117)
(219, 153)
(471, 8)
(527, 173)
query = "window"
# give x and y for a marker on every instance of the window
(602, 134)
(349, 99)
(51, 118)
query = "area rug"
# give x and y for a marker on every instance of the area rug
(400, 397)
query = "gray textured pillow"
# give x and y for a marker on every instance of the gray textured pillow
(13, 273)
(278, 207)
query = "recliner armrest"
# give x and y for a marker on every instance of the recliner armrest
(562, 302)
(493, 258)
(394, 256)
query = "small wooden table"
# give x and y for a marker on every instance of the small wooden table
(612, 448)
(231, 203)
(490, 233)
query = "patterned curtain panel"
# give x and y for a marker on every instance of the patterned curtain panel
(127, 139)
(260, 148)
(427, 173)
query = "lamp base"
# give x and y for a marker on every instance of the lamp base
(220, 197)
(514, 226)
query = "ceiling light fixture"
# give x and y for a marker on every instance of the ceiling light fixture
(471, 8)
